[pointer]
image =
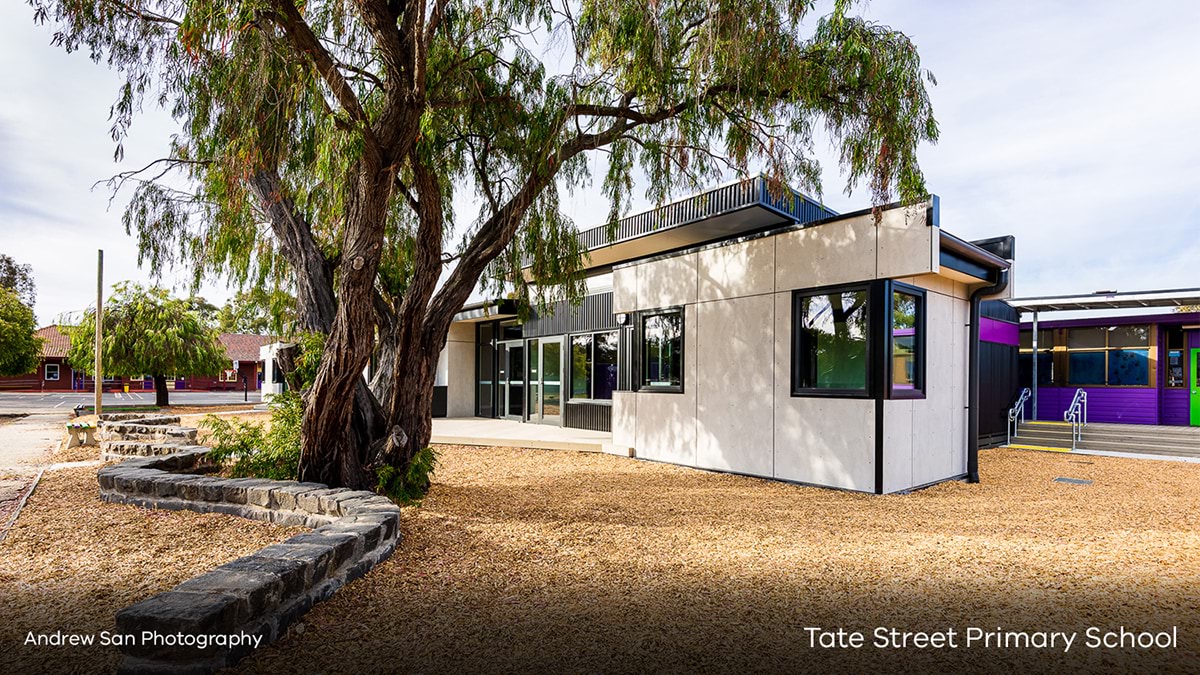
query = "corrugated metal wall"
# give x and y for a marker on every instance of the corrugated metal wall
(593, 314)
(596, 417)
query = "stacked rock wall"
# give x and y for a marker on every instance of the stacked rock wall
(255, 597)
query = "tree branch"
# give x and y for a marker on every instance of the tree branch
(306, 42)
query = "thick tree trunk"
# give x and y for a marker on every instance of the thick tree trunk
(332, 451)
(316, 310)
(161, 395)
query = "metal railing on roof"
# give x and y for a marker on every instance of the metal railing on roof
(756, 191)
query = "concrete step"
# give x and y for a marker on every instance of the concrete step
(130, 432)
(139, 448)
(119, 450)
(1100, 437)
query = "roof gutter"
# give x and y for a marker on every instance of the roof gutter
(972, 252)
(973, 373)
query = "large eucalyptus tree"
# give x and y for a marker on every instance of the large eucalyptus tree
(323, 142)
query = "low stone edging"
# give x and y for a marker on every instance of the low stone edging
(258, 595)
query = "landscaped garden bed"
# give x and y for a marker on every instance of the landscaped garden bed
(72, 562)
(556, 561)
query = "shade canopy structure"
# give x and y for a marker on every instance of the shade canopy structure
(1100, 300)
(1108, 300)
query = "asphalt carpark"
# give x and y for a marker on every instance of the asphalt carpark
(28, 402)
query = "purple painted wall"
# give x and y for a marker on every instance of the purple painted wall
(1002, 332)
(1175, 408)
(1132, 405)
(1120, 406)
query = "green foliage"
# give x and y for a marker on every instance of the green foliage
(146, 331)
(308, 361)
(18, 279)
(251, 450)
(408, 486)
(516, 95)
(20, 349)
(258, 311)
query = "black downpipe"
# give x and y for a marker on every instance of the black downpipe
(973, 376)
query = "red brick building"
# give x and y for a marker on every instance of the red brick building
(55, 374)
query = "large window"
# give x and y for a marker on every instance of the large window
(1045, 358)
(1175, 361)
(52, 371)
(662, 351)
(1117, 356)
(830, 333)
(593, 366)
(908, 342)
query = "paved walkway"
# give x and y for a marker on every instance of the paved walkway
(480, 431)
(28, 440)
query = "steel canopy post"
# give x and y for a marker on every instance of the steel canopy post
(1034, 385)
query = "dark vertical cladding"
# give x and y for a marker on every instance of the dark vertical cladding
(592, 416)
(999, 310)
(997, 390)
(439, 400)
(998, 377)
(593, 314)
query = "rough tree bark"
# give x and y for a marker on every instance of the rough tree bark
(330, 452)
(316, 304)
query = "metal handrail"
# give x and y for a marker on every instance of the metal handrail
(1076, 414)
(1016, 414)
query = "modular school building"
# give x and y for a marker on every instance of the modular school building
(1140, 369)
(749, 329)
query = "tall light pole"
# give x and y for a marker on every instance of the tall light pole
(99, 378)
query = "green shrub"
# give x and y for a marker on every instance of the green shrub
(410, 486)
(255, 452)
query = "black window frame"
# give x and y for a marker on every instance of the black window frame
(879, 341)
(919, 344)
(570, 389)
(870, 387)
(640, 350)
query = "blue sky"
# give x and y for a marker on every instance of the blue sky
(1074, 126)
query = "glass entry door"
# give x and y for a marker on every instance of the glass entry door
(512, 380)
(544, 380)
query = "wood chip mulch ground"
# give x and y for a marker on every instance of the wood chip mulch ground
(71, 561)
(551, 561)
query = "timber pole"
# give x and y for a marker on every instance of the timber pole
(99, 377)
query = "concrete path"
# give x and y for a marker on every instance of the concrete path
(65, 401)
(28, 441)
(492, 432)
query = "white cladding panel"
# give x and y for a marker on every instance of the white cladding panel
(734, 411)
(460, 370)
(667, 282)
(746, 268)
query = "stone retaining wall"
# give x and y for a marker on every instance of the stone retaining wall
(261, 594)
(124, 435)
